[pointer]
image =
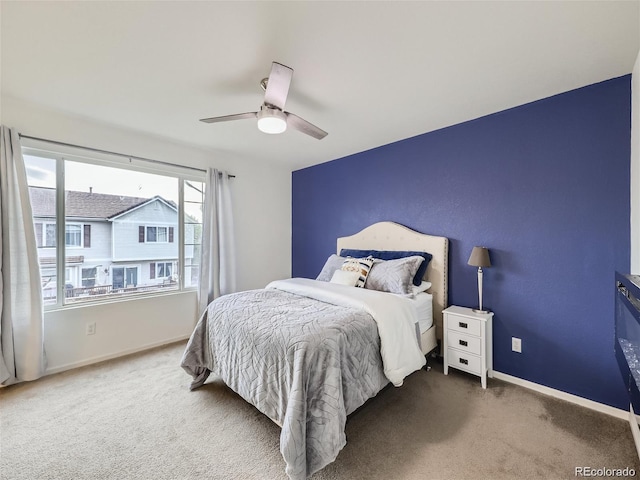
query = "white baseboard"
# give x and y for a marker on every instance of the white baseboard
(102, 358)
(583, 402)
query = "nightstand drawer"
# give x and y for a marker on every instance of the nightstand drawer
(464, 342)
(470, 326)
(463, 361)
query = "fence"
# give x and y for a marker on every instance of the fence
(79, 294)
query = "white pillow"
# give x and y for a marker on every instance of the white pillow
(423, 287)
(342, 277)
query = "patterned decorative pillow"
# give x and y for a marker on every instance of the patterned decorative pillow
(394, 276)
(360, 265)
(333, 263)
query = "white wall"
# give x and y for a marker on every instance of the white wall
(635, 167)
(121, 328)
(262, 209)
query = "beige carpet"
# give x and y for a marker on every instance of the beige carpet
(134, 418)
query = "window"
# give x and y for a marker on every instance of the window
(125, 277)
(157, 235)
(74, 235)
(50, 238)
(41, 179)
(89, 276)
(124, 231)
(164, 269)
(152, 234)
(161, 270)
(193, 215)
(162, 235)
(45, 234)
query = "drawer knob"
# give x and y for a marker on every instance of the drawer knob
(463, 343)
(464, 361)
(463, 325)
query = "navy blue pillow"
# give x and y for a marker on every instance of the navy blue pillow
(392, 255)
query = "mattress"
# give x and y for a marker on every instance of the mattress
(424, 305)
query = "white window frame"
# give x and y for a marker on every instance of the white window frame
(164, 267)
(62, 153)
(157, 227)
(45, 243)
(80, 233)
(45, 239)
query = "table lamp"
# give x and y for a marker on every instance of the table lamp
(479, 258)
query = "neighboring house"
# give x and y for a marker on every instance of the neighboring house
(113, 243)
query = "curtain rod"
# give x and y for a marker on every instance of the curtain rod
(97, 150)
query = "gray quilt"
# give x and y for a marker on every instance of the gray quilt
(304, 363)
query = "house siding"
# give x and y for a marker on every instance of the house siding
(126, 240)
(100, 249)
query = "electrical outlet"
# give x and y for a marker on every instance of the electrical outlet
(516, 344)
(91, 328)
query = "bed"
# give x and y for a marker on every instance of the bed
(392, 236)
(308, 353)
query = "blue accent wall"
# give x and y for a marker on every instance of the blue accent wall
(545, 186)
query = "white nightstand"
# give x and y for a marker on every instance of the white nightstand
(468, 342)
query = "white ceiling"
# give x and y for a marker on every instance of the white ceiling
(369, 73)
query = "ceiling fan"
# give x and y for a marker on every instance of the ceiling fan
(272, 118)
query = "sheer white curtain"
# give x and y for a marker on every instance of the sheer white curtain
(217, 258)
(21, 324)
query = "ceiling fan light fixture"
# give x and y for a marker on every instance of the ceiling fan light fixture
(271, 120)
(272, 117)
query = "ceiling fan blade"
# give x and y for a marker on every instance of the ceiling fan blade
(278, 85)
(303, 126)
(228, 118)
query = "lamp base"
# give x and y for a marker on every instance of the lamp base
(477, 310)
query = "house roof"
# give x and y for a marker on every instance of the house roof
(81, 204)
(145, 202)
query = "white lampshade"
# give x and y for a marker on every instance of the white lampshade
(272, 121)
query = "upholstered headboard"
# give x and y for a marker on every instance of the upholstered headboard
(392, 236)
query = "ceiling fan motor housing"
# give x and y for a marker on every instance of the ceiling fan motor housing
(271, 120)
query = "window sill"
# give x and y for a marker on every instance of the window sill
(128, 298)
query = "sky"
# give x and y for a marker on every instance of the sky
(83, 176)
